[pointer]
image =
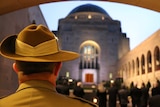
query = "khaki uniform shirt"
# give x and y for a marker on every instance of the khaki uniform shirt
(37, 93)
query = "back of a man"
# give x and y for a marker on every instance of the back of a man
(112, 92)
(123, 94)
(78, 90)
(38, 60)
(135, 94)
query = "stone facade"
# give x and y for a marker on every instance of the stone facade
(99, 41)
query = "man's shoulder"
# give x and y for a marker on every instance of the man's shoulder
(84, 101)
(4, 96)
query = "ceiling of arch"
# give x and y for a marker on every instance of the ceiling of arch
(7, 6)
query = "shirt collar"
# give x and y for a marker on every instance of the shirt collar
(38, 84)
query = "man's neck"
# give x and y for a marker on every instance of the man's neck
(36, 76)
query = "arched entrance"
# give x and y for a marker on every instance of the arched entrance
(89, 62)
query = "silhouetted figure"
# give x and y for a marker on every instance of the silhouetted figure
(148, 84)
(156, 89)
(131, 85)
(145, 95)
(123, 94)
(102, 95)
(112, 92)
(154, 101)
(78, 90)
(135, 94)
(158, 82)
(63, 88)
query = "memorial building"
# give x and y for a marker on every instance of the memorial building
(91, 31)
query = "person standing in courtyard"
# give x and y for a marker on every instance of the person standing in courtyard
(144, 96)
(123, 94)
(38, 60)
(63, 88)
(78, 90)
(135, 94)
(102, 95)
(113, 94)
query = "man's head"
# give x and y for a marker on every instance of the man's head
(79, 84)
(37, 71)
(35, 50)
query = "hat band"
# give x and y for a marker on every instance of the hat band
(45, 48)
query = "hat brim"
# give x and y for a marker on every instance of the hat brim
(7, 50)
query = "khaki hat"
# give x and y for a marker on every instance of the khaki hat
(35, 44)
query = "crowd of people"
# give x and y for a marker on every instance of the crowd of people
(144, 96)
(114, 96)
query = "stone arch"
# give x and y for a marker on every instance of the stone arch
(89, 62)
(125, 70)
(149, 61)
(137, 66)
(133, 68)
(143, 64)
(157, 58)
(90, 52)
(129, 69)
(17, 5)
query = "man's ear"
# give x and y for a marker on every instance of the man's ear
(15, 67)
(57, 68)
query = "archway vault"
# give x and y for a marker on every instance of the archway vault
(7, 6)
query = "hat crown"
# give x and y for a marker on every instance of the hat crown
(34, 35)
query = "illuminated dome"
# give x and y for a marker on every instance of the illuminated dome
(88, 8)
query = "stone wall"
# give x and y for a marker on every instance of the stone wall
(13, 23)
(128, 64)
